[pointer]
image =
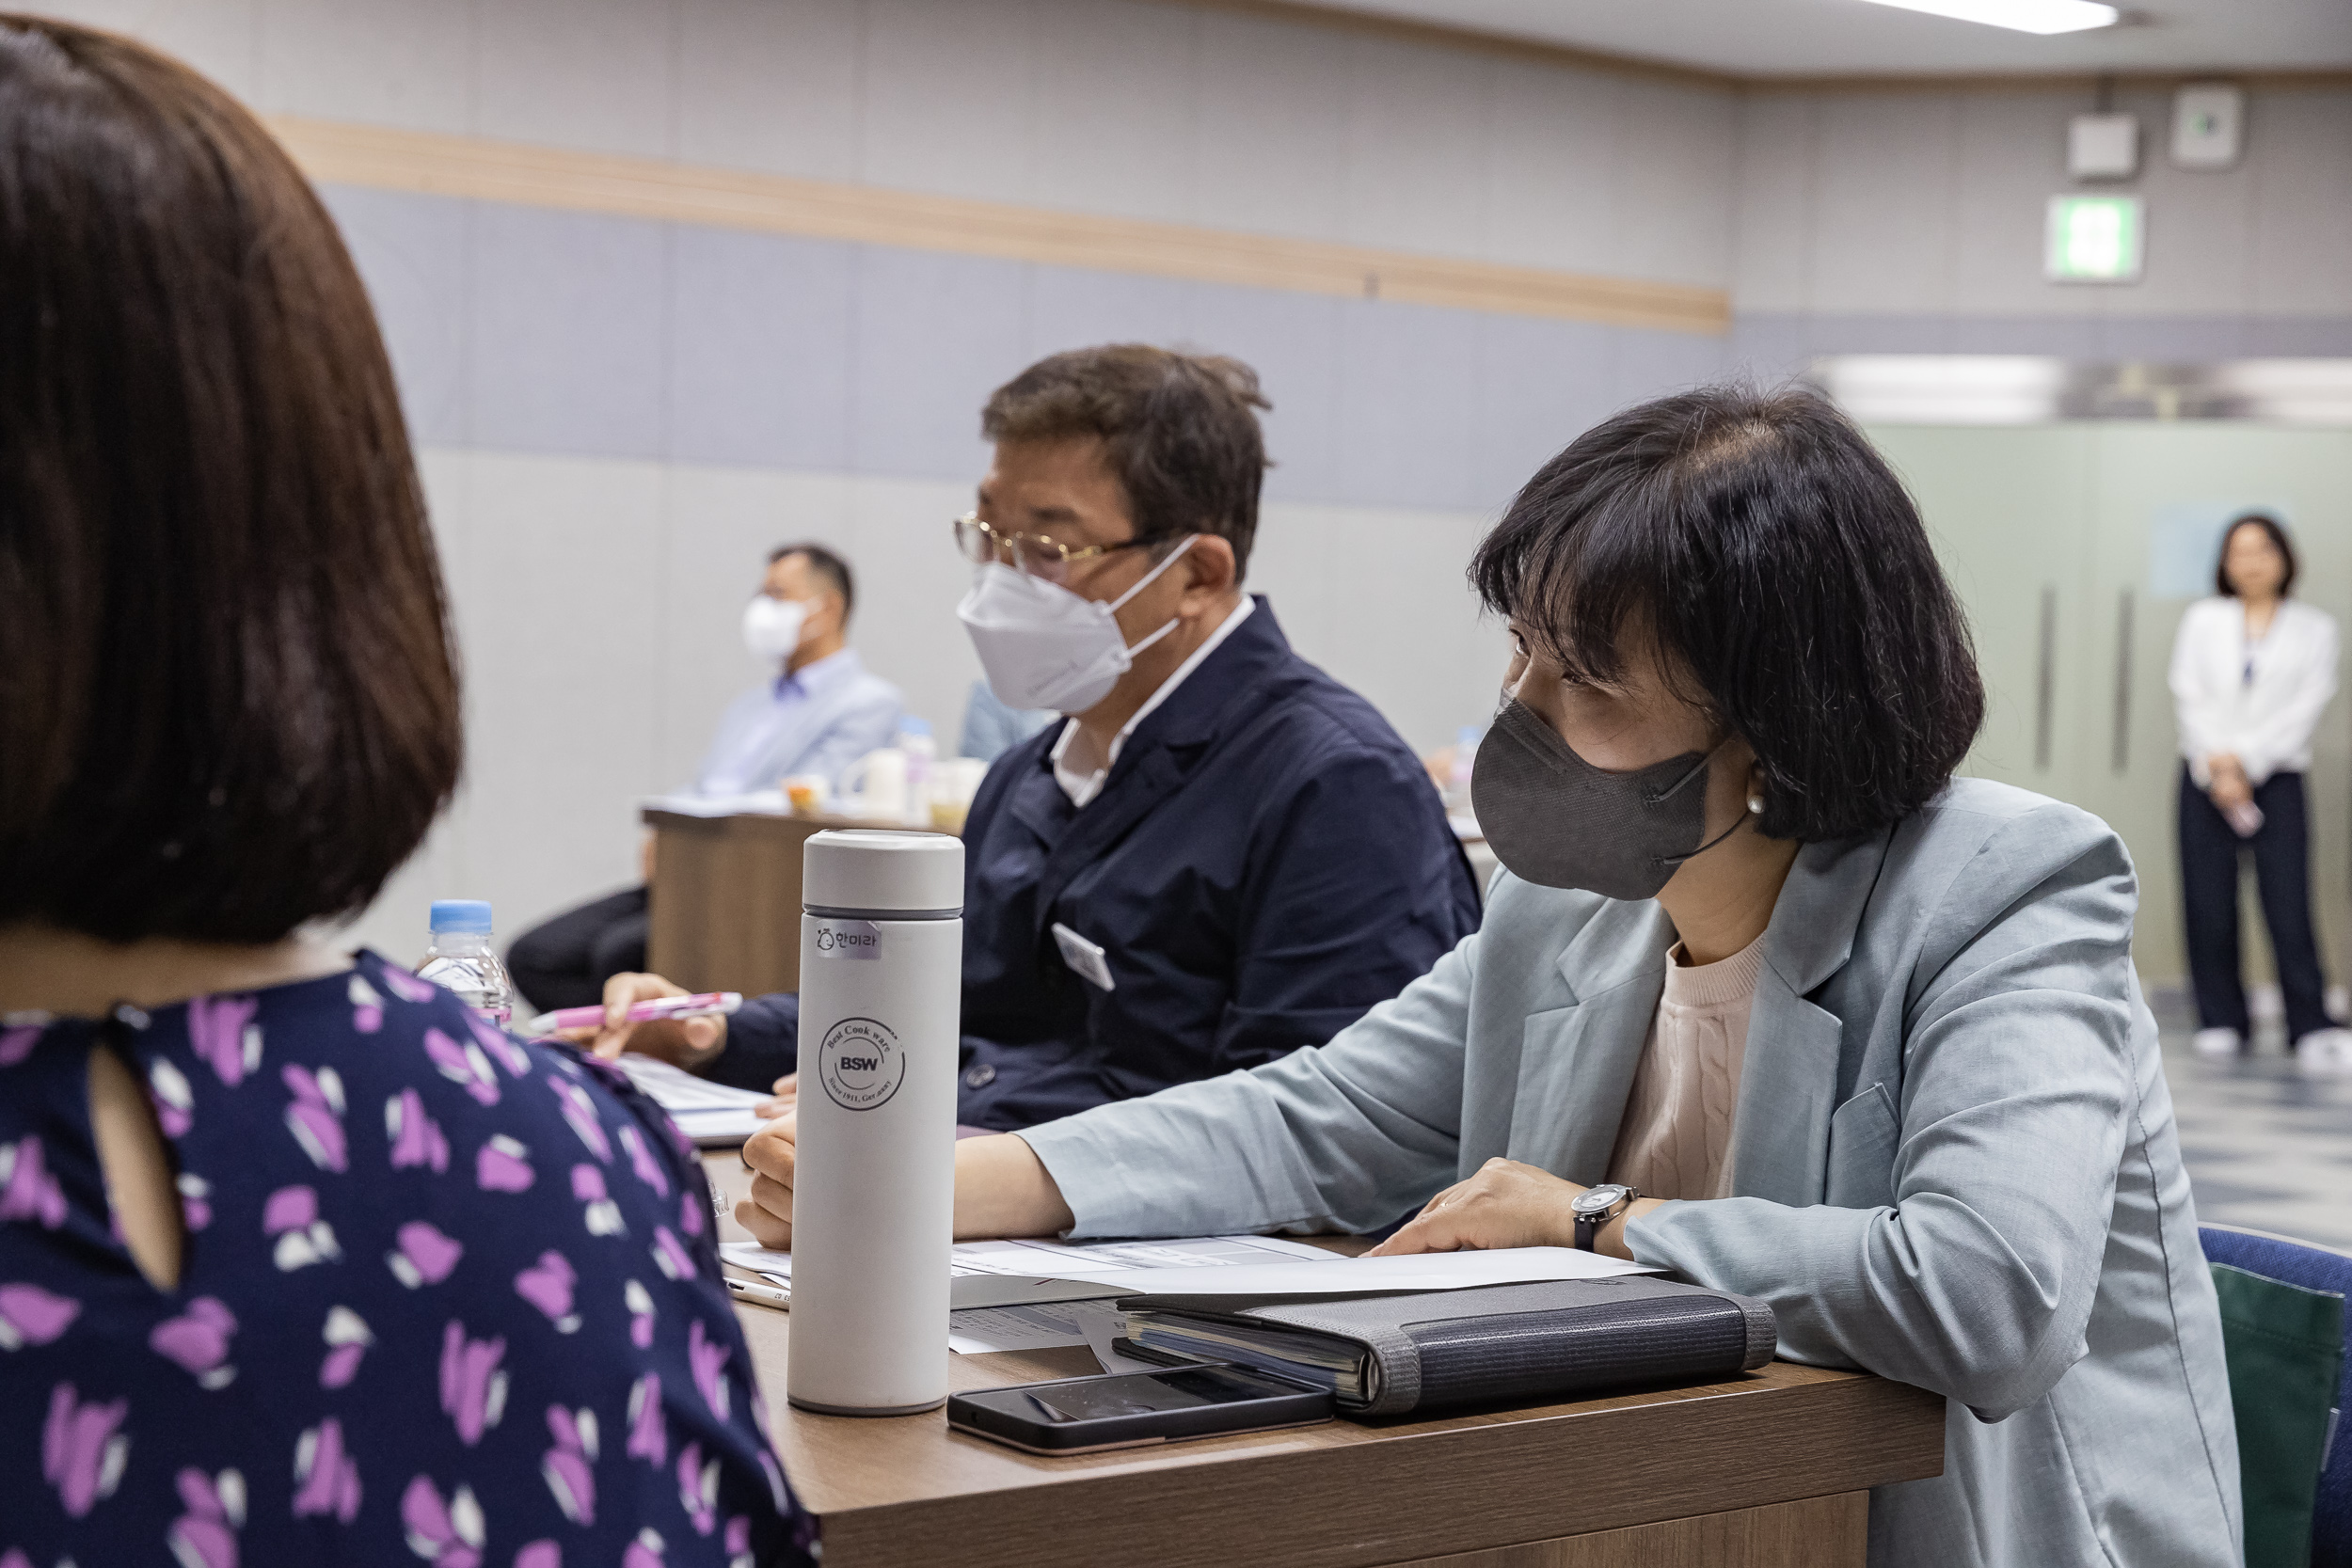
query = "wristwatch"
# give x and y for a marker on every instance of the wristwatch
(1596, 1207)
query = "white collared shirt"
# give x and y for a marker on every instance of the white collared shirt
(2258, 699)
(1084, 786)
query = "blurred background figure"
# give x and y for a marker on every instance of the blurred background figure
(819, 711)
(991, 728)
(2252, 669)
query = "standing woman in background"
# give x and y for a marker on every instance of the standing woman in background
(2252, 669)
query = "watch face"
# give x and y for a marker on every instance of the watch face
(1595, 1200)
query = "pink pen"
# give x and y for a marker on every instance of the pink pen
(702, 1004)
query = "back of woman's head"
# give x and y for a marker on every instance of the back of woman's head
(228, 702)
(1762, 548)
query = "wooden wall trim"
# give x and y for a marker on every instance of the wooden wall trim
(679, 193)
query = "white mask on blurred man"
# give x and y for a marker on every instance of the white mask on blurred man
(771, 628)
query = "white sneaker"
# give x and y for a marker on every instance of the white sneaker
(2227, 1042)
(2325, 1051)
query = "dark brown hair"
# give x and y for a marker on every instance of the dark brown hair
(1176, 428)
(227, 699)
(827, 566)
(1777, 563)
(2268, 524)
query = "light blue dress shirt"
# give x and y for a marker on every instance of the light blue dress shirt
(818, 718)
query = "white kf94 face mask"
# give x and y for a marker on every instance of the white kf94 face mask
(1046, 647)
(771, 628)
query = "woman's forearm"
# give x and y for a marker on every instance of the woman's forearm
(1003, 1188)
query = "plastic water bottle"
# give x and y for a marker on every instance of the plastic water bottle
(874, 1189)
(460, 960)
(914, 739)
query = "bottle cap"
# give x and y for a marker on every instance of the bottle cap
(857, 871)
(911, 725)
(461, 914)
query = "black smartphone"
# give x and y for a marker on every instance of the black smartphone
(1127, 1410)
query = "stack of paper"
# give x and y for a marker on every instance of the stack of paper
(1004, 1292)
(713, 1115)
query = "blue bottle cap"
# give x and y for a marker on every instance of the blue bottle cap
(460, 914)
(1470, 735)
(911, 725)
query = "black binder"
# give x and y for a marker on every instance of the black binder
(1388, 1354)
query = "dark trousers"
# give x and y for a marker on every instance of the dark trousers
(2210, 850)
(565, 962)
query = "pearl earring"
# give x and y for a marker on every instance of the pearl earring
(1756, 805)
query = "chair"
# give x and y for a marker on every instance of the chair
(2310, 1269)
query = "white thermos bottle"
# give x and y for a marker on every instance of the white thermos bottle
(873, 1191)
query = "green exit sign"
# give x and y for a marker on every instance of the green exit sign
(2094, 239)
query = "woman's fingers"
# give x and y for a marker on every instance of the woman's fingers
(1505, 1205)
(787, 1095)
(769, 1153)
(767, 1230)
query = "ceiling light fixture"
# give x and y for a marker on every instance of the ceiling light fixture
(2023, 16)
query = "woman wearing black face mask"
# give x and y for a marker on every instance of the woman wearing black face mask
(1866, 1037)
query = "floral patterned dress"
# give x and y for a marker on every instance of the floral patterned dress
(446, 1298)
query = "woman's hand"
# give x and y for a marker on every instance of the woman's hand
(1506, 1204)
(786, 1090)
(1002, 1187)
(769, 1152)
(2228, 789)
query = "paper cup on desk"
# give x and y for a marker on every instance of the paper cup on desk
(808, 793)
(954, 781)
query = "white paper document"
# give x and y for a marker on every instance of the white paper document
(713, 1115)
(1422, 1271)
(1044, 1326)
(764, 802)
(1028, 1271)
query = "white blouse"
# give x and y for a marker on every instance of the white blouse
(2258, 699)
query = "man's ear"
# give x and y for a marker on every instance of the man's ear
(1208, 566)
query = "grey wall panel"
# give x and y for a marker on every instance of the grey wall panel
(1069, 307)
(1293, 341)
(414, 253)
(1646, 364)
(934, 335)
(1539, 384)
(567, 348)
(773, 86)
(762, 347)
(1406, 394)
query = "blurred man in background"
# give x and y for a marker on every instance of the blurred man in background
(817, 712)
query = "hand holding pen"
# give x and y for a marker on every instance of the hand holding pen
(647, 1014)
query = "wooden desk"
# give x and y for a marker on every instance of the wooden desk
(725, 908)
(1766, 1470)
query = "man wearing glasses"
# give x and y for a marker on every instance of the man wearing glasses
(1219, 854)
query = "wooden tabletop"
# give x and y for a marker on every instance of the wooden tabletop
(906, 1490)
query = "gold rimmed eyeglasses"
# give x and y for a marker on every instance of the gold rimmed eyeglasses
(1031, 554)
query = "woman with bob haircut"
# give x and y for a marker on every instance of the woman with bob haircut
(1866, 1037)
(2253, 671)
(300, 1261)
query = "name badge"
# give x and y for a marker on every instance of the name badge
(1085, 958)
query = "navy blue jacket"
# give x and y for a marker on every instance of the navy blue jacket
(1265, 861)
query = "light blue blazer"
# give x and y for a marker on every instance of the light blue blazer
(1953, 1162)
